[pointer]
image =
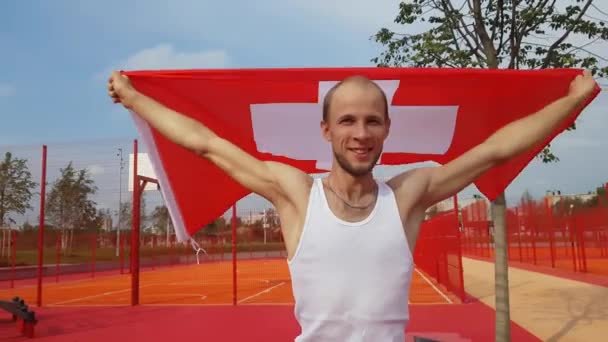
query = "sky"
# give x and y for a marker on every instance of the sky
(58, 55)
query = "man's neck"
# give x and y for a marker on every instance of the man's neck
(353, 188)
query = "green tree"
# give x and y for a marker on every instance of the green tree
(506, 34)
(160, 218)
(16, 187)
(601, 197)
(126, 214)
(69, 205)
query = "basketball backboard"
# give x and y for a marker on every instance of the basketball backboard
(144, 168)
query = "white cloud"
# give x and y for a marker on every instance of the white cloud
(7, 90)
(165, 56)
(95, 169)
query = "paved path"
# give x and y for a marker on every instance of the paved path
(550, 307)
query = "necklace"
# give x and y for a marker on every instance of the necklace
(352, 205)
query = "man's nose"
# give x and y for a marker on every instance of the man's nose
(361, 131)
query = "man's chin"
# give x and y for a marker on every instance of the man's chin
(361, 170)
(357, 168)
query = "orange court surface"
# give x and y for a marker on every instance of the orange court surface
(261, 281)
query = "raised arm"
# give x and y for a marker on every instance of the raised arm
(271, 180)
(438, 183)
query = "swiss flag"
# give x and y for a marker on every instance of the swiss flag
(274, 114)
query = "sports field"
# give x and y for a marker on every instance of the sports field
(260, 281)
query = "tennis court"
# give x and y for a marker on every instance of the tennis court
(260, 281)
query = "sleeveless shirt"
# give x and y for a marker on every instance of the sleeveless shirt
(351, 280)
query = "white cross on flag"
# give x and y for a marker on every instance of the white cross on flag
(415, 129)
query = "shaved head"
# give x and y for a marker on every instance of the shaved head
(361, 82)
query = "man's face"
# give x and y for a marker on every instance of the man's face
(356, 127)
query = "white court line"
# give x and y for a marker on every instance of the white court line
(97, 296)
(184, 294)
(216, 282)
(90, 305)
(186, 304)
(198, 283)
(261, 292)
(435, 287)
(269, 304)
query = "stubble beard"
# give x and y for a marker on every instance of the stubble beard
(356, 172)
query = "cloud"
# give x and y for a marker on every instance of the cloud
(7, 90)
(95, 169)
(165, 56)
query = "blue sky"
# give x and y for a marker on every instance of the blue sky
(57, 55)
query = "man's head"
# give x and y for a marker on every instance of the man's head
(356, 123)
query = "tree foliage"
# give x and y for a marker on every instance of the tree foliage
(16, 187)
(69, 204)
(160, 219)
(509, 34)
(126, 214)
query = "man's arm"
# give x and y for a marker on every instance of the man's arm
(258, 176)
(511, 140)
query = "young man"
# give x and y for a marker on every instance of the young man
(349, 238)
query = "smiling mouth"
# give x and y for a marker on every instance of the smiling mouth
(360, 151)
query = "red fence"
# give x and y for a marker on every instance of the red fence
(539, 233)
(438, 252)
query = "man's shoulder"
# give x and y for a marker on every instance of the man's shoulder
(289, 173)
(295, 183)
(410, 178)
(409, 186)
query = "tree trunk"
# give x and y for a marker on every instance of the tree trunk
(71, 242)
(501, 270)
(168, 228)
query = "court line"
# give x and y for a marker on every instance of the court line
(185, 304)
(269, 304)
(433, 285)
(183, 294)
(99, 295)
(262, 292)
(90, 305)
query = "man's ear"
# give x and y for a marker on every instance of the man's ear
(388, 127)
(325, 130)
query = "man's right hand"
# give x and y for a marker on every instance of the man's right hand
(121, 90)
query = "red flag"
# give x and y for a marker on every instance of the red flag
(274, 114)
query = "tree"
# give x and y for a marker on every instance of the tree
(507, 34)
(126, 216)
(161, 220)
(16, 187)
(69, 205)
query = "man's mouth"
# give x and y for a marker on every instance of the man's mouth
(360, 152)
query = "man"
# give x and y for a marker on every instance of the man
(349, 238)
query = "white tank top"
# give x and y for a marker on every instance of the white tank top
(351, 280)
